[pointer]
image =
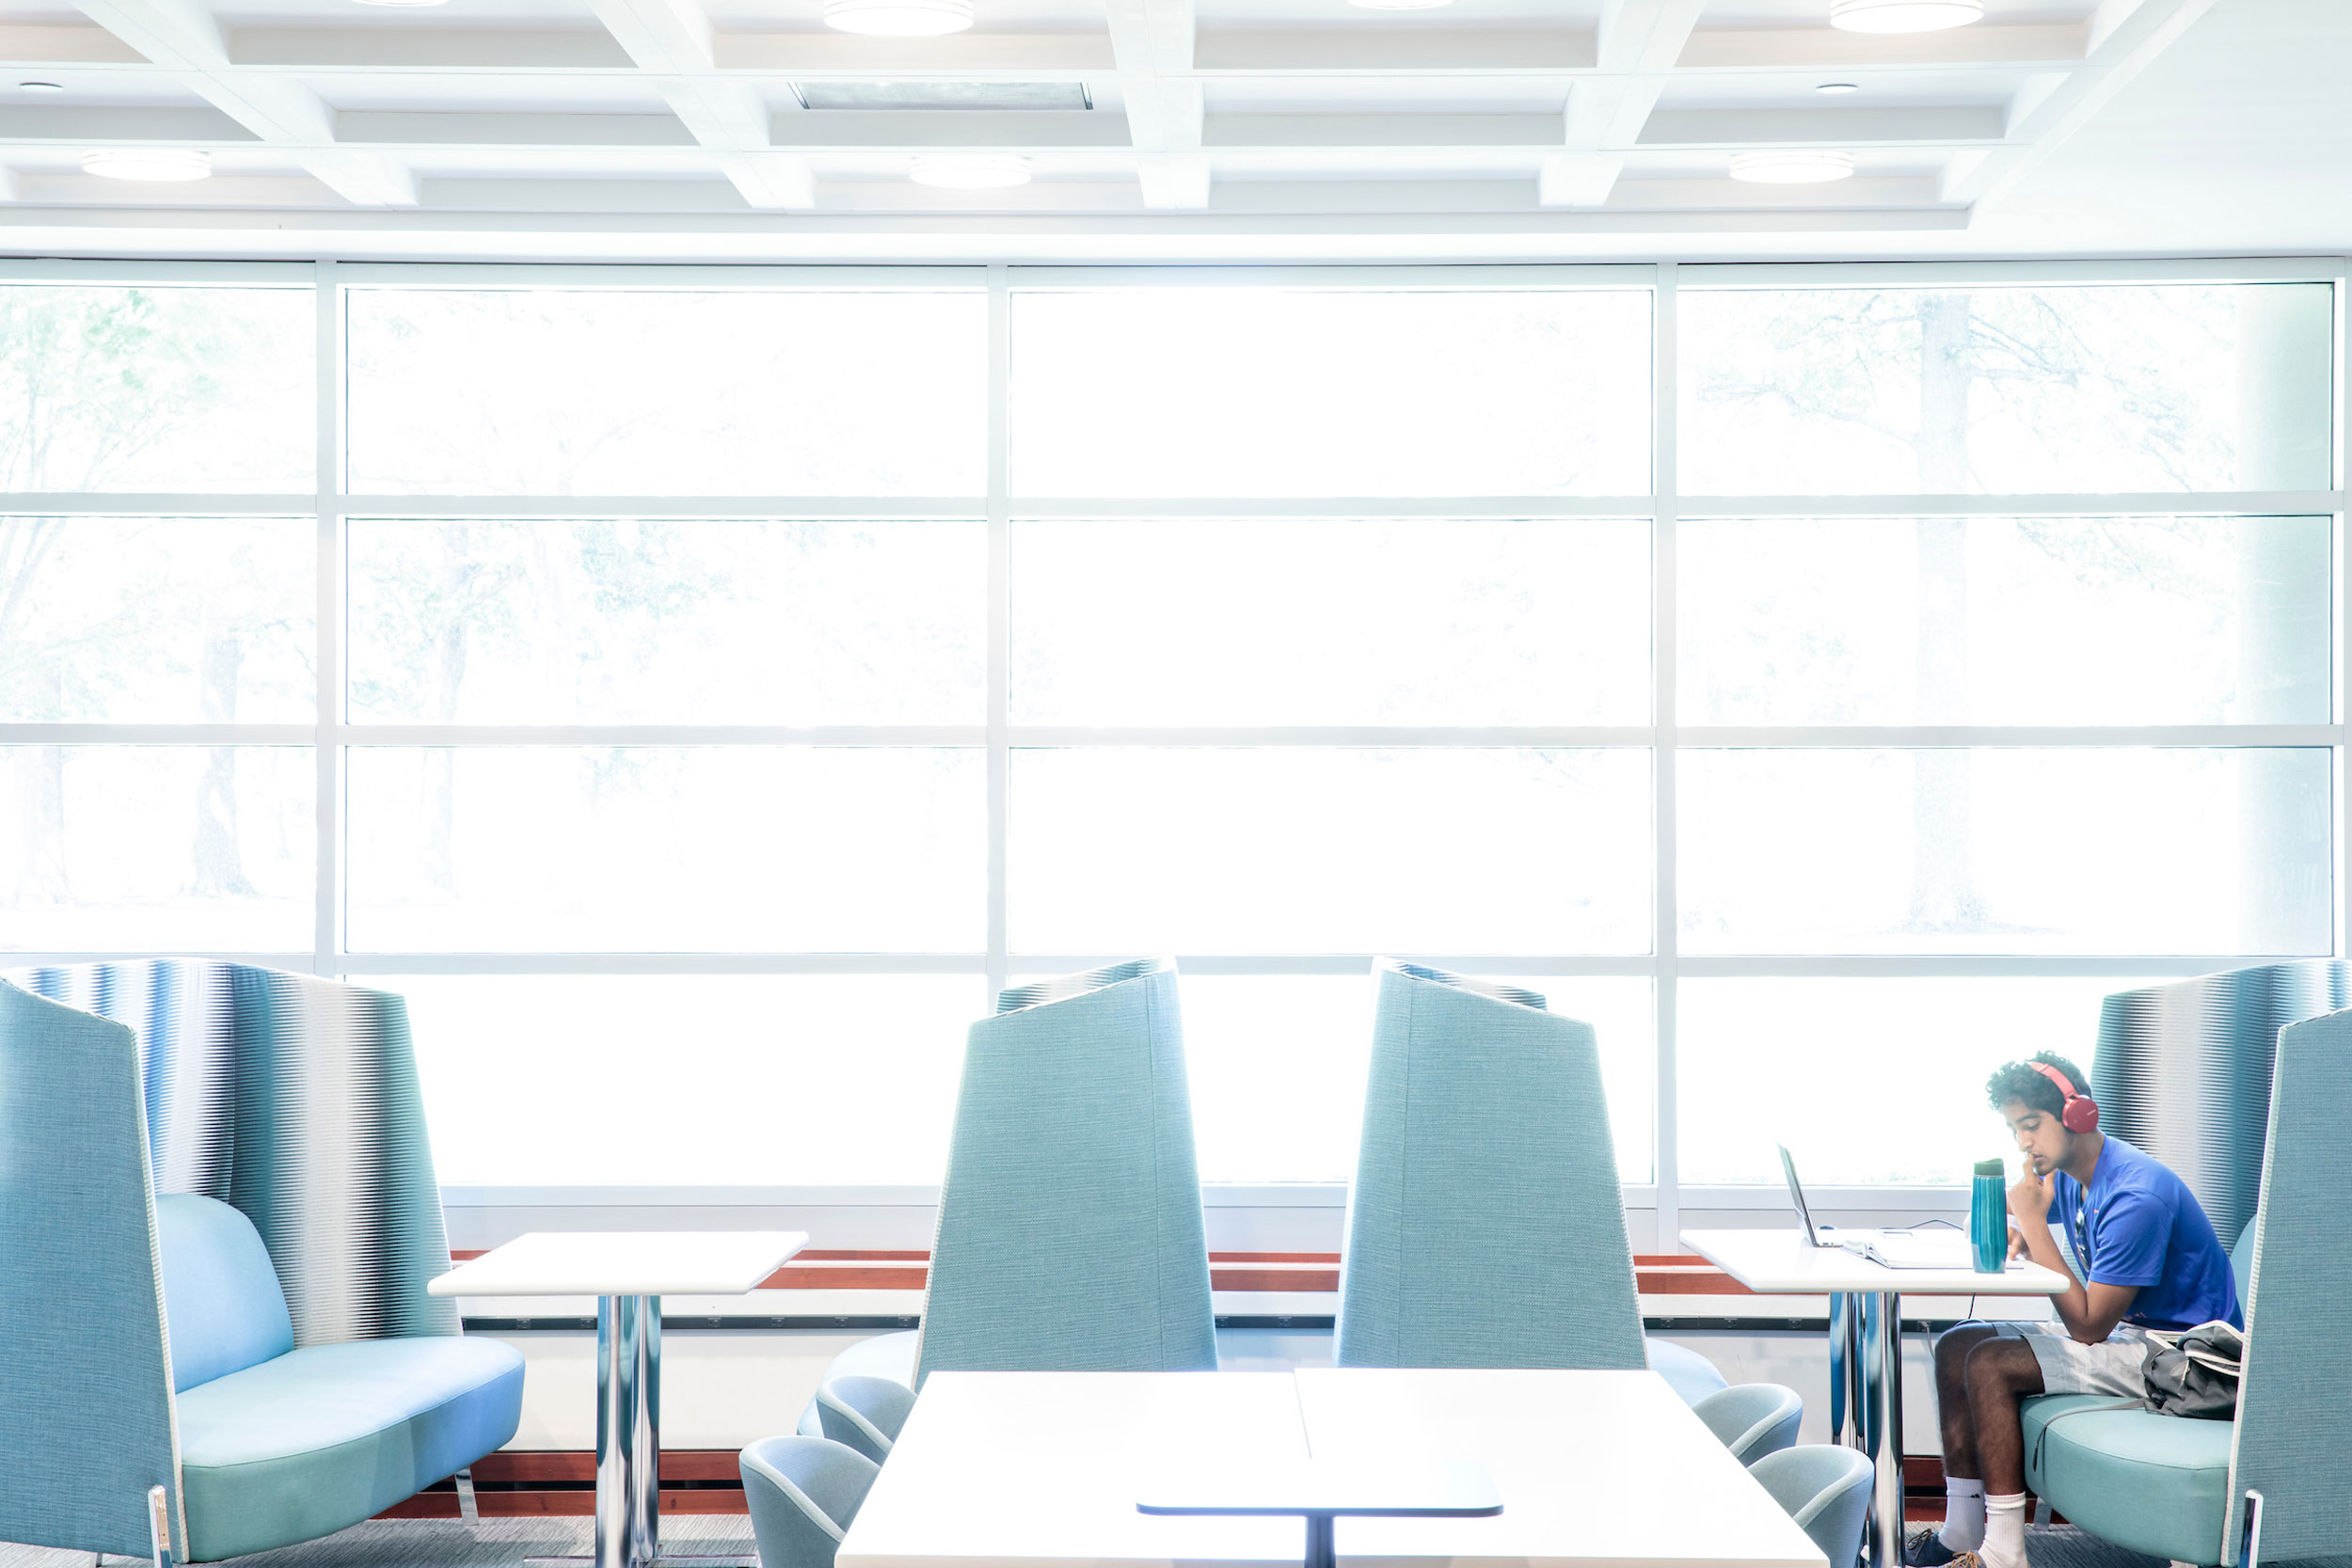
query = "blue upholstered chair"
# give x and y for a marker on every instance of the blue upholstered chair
(1486, 1228)
(148, 1339)
(1071, 1236)
(804, 1493)
(2179, 1489)
(1826, 1490)
(1754, 1420)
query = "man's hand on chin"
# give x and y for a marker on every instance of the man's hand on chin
(2029, 1200)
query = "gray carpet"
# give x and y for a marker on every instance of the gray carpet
(504, 1543)
(440, 1543)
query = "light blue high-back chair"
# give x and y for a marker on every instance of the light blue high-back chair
(1826, 1489)
(1071, 1235)
(2181, 1489)
(150, 1345)
(1754, 1420)
(1486, 1228)
(2183, 1072)
(804, 1493)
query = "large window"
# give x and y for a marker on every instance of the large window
(696, 691)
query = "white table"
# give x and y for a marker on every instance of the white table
(1596, 1471)
(1594, 1468)
(628, 1272)
(1866, 1368)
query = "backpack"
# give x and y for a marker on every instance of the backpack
(2195, 1371)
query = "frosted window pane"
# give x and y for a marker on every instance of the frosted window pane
(2006, 621)
(158, 389)
(2109, 388)
(202, 849)
(1276, 1064)
(544, 1080)
(2126, 850)
(1204, 621)
(1244, 391)
(669, 623)
(1330, 850)
(158, 620)
(667, 849)
(1752, 1056)
(583, 392)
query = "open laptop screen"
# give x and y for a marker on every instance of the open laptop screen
(1796, 1196)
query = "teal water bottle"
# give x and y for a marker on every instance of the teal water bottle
(1988, 1217)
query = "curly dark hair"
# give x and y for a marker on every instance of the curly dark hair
(2018, 1081)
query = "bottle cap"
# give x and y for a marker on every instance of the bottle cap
(1989, 1167)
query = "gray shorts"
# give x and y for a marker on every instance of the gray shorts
(2113, 1367)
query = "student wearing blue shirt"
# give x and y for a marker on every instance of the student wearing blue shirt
(2150, 1260)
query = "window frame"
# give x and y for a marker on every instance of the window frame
(1667, 1198)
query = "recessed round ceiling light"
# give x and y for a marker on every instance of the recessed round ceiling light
(904, 19)
(151, 164)
(1791, 168)
(1903, 16)
(970, 171)
(1838, 89)
(42, 86)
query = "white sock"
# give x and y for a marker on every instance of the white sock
(2004, 1531)
(1964, 1514)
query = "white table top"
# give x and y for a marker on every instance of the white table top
(1002, 1469)
(624, 1263)
(1778, 1262)
(999, 1469)
(1593, 1467)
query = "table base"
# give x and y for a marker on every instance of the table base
(1866, 1408)
(628, 1431)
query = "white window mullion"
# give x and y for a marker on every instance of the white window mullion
(1663, 444)
(2339, 711)
(999, 613)
(327, 939)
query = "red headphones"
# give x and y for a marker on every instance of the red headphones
(2080, 1114)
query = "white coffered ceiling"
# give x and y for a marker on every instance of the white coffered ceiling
(1534, 126)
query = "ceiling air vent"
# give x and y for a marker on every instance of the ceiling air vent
(943, 95)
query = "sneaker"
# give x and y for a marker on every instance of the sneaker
(1926, 1549)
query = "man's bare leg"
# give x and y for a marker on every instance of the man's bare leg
(1963, 1490)
(2000, 1372)
(1951, 1396)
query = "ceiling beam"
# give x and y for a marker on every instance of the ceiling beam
(1153, 42)
(182, 37)
(1637, 43)
(2128, 36)
(673, 42)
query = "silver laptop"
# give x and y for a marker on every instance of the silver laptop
(1796, 1199)
(1894, 1250)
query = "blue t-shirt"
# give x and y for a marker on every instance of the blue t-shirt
(2140, 1225)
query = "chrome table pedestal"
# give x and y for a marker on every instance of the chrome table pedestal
(628, 1271)
(1866, 1408)
(628, 1446)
